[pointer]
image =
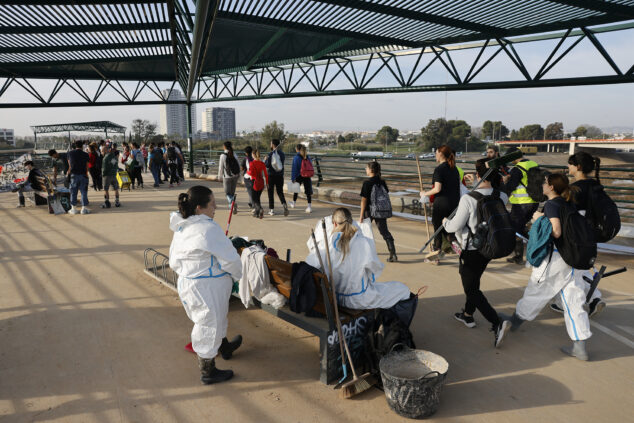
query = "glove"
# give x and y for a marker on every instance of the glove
(424, 199)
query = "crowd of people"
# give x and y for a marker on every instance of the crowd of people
(476, 225)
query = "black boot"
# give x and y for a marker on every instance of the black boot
(210, 374)
(518, 254)
(21, 201)
(228, 347)
(392, 250)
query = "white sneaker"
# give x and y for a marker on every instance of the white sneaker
(271, 212)
(84, 210)
(73, 210)
(308, 209)
(291, 204)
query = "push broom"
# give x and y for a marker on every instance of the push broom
(358, 384)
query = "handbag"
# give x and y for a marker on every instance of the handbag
(292, 187)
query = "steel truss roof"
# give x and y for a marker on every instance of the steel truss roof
(100, 126)
(217, 50)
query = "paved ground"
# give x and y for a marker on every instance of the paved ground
(86, 336)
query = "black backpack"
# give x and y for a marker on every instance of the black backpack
(380, 204)
(577, 244)
(602, 213)
(171, 153)
(233, 165)
(535, 180)
(494, 236)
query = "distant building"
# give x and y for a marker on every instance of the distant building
(219, 123)
(174, 116)
(8, 135)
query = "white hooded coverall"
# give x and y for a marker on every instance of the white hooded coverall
(355, 277)
(206, 263)
(555, 278)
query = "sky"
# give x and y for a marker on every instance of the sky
(606, 106)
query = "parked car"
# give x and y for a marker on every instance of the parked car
(410, 156)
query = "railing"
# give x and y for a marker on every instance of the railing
(161, 272)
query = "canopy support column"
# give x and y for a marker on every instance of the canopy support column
(190, 147)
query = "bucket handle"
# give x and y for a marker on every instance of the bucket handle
(403, 347)
(433, 371)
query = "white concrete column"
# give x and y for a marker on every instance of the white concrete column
(572, 148)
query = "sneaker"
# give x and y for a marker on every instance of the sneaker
(308, 209)
(19, 206)
(117, 203)
(435, 262)
(515, 260)
(84, 210)
(271, 212)
(73, 210)
(254, 213)
(291, 204)
(456, 248)
(106, 205)
(595, 307)
(499, 331)
(285, 210)
(467, 320)
(554, 307)
(261, 213)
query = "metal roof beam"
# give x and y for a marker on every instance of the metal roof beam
(83, 47)
(600, 6)
(205, 15)
(68, 29)
(313, 29)
(415, 15)
(265, 47)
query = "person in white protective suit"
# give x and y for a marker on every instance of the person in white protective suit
(554, 277)
(206, 263)
(355, 265)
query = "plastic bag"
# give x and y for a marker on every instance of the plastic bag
(292, 187)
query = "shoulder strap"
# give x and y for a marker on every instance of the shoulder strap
(477, 195)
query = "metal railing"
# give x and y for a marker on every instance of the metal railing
(159, 271)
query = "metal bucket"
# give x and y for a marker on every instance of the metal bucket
(412, 381)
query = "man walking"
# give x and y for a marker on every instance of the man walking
(275, 168)
(78, 171)
(522, 205)
(110, 167)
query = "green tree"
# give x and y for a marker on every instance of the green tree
(351, 136)
(581, 131)
(554, 131)
(138, 128)
(531, 132)
(340, 139)
(387, 134)
(272, 131)
(149, 130)
(494, 130)
(454, 133)
(593, 132)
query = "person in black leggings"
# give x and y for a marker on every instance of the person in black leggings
(446, 192)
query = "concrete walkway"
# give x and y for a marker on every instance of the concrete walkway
(86, 336)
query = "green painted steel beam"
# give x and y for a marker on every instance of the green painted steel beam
(85, 47)
(74, 29)
(612, 8)
(97, 126)
(265, 47)
(417, 16)
(64, 73)
(332, 47)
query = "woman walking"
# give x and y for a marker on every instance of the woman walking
(257, 172)
(554, 277)
(375, 204)
(301, 172)
(94, 167)
(204, 289)
(244, 166)
(446, 191)
(228, 173)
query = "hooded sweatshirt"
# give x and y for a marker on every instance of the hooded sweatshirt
(200, 249)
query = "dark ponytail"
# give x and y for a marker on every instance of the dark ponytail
(229, 148)
(597, 167)
(561, 185)
(448, 154)
(586, 163)
(196, 196)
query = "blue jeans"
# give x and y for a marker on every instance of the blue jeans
(156, 173)
(78, 183)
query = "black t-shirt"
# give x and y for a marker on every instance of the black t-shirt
(78, 161)
(366, 189)
(34, 181)
(581, 196)
(450, 180)
(552, 207)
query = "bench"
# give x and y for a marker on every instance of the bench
(355, 323)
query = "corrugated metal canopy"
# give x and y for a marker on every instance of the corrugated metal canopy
(152, 40)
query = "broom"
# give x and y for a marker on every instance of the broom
(420, 182)
(233, 204)
(343, 356)
(358, 384)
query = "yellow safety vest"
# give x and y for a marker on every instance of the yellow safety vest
(460, 173)
(520, 195)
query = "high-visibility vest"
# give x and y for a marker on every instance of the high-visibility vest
(520, 195)
(460, 173)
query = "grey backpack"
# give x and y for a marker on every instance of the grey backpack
(380, 204)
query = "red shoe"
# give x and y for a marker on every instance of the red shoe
(189, 348)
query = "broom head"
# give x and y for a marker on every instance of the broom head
(357, 385)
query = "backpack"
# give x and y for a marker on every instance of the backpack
(306, 171)
(535, 180)
(577, 244)
(494, 236)
(233, 166)
(171, 153)
(158, 156)
(602, 214)
(276, 161)
(380, 204)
